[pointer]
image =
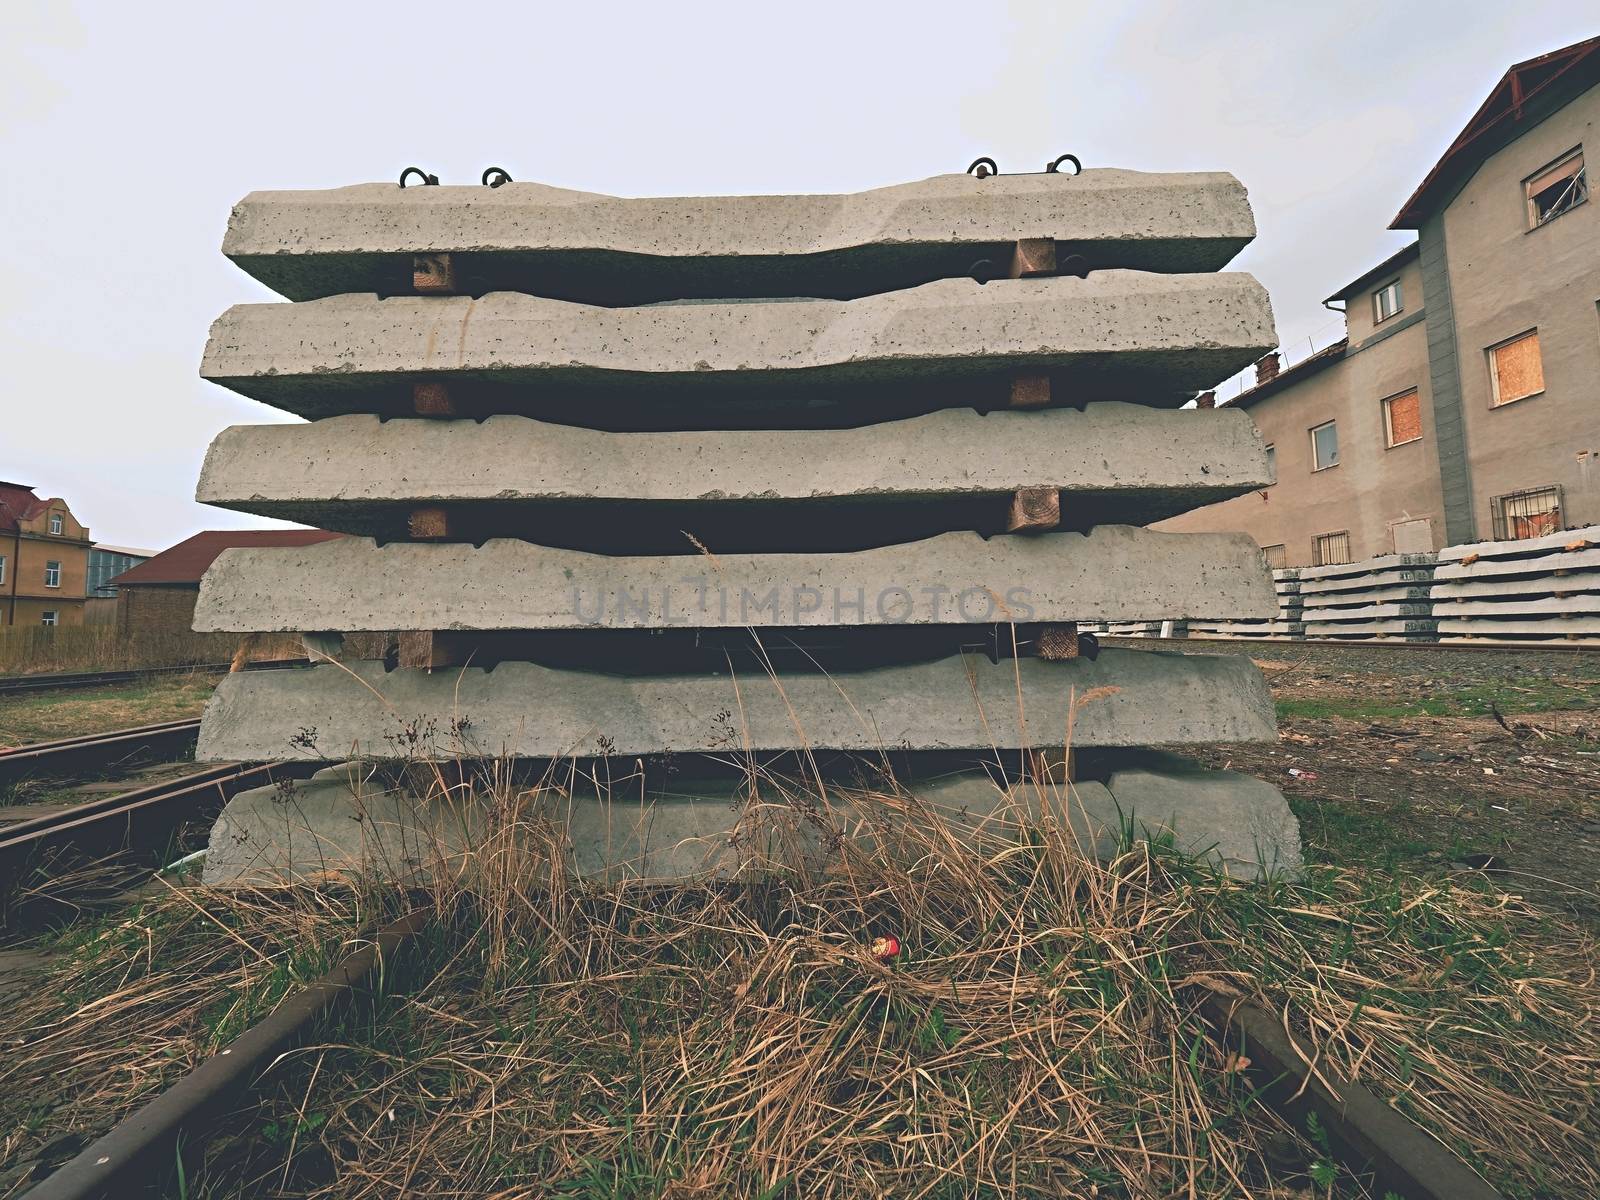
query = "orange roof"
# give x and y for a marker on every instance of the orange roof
(188, 560)
(1525, 95)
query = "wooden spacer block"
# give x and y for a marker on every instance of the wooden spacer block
(426, 650)
(429, 524)
(432, 400)
(1057, 642)
(368, 646)
(1034, 509)
(433, 274)
(1030, 391)
(1033, 256)
(1056, 765)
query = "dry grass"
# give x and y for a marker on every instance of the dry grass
(1037, 1037)
(45, 716)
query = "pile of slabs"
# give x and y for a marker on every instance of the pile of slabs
(1288, 623)
(1384, 597)
(1544, 589)
(656, 486)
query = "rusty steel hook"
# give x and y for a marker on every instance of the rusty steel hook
(495, 176)
(982, 270)
(1054, 168)
(983, 167)
(427, 180)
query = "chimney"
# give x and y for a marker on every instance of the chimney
(1206, 400)
(1267, 368)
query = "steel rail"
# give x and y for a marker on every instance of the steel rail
(96, 751)
(123, 1162)
(12, 684)
(1368, 1134)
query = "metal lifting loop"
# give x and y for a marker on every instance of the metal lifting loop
(495, 176)
(983, 167)
(1055, 167)
(982, 270)
(427, 180)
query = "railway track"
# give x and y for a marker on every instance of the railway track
(95, 752)
(23, 684)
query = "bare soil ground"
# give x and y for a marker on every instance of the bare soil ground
(1416, 759)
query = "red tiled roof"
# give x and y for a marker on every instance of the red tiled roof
(18, 503)
(188, 560)
(1526, 94)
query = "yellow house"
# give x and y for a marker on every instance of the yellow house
(44, 559)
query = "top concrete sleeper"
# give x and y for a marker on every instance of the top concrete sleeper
(601, 249)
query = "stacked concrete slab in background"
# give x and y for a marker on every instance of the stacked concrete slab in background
(1544, 589)
(1288, 623)
(767, 475)
(1384, 597)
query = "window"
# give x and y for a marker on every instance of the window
(55, 523)
(1277, 556)
(2, 568)
(1386, 302)
(47, 617)
(1515, 369)
(52, 574)
(1272, 461)
(1528, 514)
(1325, 446)
(1558, 188)
(1402, 419)
(1331, 549)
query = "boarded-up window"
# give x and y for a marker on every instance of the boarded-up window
(1413, 537)
(1528, 514)
(1516, 369)
(1402, 418)
(1272, 462)
(1277, 556)
(1331, 549)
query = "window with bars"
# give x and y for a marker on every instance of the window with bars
(1331, 549)
(1527, 514)
(1277, 556)
(1402, 419)
(1558, 188)
(1515, 369)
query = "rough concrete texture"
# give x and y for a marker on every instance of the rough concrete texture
(1125, 698)
(1369, 566)
(1494, 585)
(1585, 602)
(1121, 462)
(1377, 595)
(346, 822)
(1115, 334)
(354, 584)
(1367, 612)
(1585, 629)
(1423, 628)
(1392, 577)
(586, 246)
(1585, 538)
(1532, 566)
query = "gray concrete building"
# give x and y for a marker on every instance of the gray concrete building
(1463, 403)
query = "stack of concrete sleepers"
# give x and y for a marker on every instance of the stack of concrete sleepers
(630, 480)
(1534, 590)
(1287, 624)
(1384, 597)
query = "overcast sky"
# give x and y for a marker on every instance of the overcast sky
(128, 131)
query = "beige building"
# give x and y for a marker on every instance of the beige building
(44, 559)
(1464, 402)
